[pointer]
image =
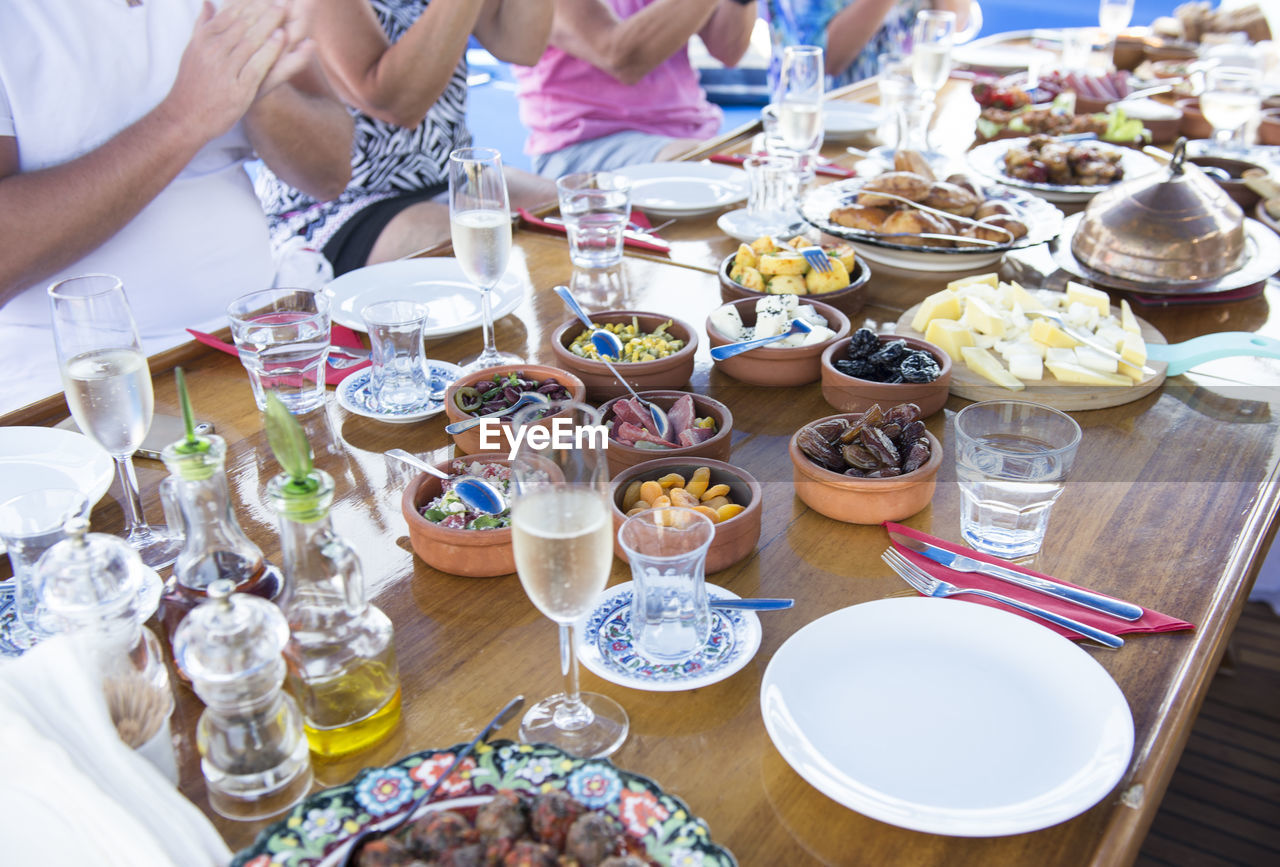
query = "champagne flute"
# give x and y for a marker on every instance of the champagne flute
(480, 223)
(801, 82)
(1114, 17)
(1230, 100)
(931, 39)
(562, 536)
(108, 390)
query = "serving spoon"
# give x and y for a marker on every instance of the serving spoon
(523, 400)
(729, 350)
(476, 494)
(609, 346)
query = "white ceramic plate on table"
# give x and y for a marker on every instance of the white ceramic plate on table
(453, 302)
(844, 120)
(684, 189)
(1003, 59)
(947, 717)
(36, 458)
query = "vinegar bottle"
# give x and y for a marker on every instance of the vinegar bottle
(342, 663)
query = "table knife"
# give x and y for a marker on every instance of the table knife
(1087, 598)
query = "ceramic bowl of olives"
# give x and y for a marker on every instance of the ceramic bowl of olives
(491, 389)
(866, 467)
(886, 369)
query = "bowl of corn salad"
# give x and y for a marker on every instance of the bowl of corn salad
(657, 352)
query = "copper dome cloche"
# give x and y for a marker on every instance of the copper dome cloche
(1172, 229)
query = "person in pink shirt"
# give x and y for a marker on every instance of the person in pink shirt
(615, 86)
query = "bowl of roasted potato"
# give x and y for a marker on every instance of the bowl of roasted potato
(764, 268)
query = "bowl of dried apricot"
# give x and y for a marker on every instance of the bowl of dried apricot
(727, 495)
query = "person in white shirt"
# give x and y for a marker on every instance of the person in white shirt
(124, 126)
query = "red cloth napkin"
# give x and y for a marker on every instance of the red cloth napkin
(1150, 621)
(636, 217)
(339, 335)
(828, 169)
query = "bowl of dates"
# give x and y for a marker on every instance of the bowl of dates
(658, 352)
(495, 388)
(866, 467)
(869, 368)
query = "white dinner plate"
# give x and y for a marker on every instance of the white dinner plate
(35, 458)
(453, 302)
(683, 189)
(843, 120)
(1002, 59)
(947, 717)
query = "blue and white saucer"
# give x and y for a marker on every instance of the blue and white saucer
(353, 395)
(605, 648)
(15, 638)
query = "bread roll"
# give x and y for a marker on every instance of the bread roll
(860, 217)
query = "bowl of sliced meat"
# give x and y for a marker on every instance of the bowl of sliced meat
(697, 426)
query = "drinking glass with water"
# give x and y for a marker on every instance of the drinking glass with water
(596, 207)
(1012, 460)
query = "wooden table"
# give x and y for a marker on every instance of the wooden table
(1170, 506)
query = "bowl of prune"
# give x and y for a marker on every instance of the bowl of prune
(868, 368)
(867, 467)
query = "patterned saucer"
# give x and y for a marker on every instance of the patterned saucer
(353, 394)
(15, 638)
(604, 645)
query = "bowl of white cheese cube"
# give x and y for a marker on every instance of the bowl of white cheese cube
(794, 360)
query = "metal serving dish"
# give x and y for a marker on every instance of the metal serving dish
(1175, 229)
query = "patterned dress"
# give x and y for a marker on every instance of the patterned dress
(804, 22)
(386, 160)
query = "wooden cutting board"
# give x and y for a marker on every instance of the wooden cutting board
(1049, 391)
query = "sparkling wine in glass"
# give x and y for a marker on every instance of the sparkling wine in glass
(932, 36)
(1114, 16)
(801, 84)
(480, 223)
(1231, 99)
(108, 390)
(562, 536)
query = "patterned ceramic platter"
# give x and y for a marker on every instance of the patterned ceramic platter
(353, 395)
(669, 833)
(15, 638)
(605, 647)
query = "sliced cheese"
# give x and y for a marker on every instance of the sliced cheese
(1023, 298)
(1096, 298)
(1044, 331)
(1087, 356)
(1026, 366)
(1127, 320)
(949, 335)
(1059, 354)
(1080, 375)
(939, 305)
(982, 318)
(986, 365)
(1134, 349)
(992, 280)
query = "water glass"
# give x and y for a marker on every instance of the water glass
(1077, 48)
(31, 524)
(1012, 460)
(596, 207)
(896, 93)
(667, 550)
(283, 339)
(398, 379)
(1231, 100)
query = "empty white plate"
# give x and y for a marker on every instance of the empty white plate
(947, 717)
(682, 189)
(453, 302)
(842, 120)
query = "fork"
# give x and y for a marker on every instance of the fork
(815, 256)
(927, 585)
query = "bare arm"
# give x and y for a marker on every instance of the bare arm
(395, 83)
(303, 134)
(850, 29)
(960, 7)
(52, 217)
(630, 48)
(515, 30)
(728, 34)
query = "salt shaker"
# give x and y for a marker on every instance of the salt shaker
(253, 752)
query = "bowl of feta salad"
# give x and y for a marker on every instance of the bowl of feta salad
(448, 536)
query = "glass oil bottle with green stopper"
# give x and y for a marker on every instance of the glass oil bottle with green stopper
(342, 663)
(253, 752)
(196, 499)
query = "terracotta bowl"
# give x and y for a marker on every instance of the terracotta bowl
(850, 394)
(1129, 52)
(468, 442)
(717, 448)
(1194, 125)
(670, 372)
(470, 553)
(849, 300)
(1269, 127)
(1163, 121)
(864, 501)
(770, 365)
(1236, 188)
(735, 538)
(1091, 105)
